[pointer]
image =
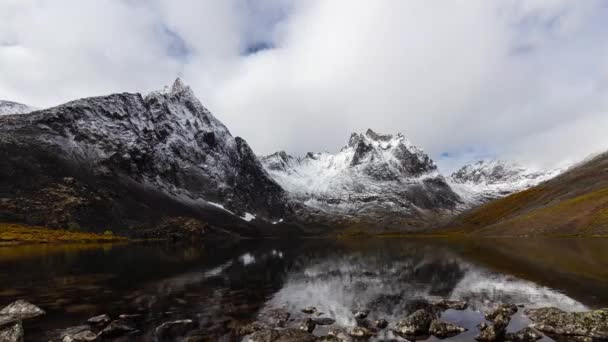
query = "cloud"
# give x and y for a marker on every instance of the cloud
(523, 79)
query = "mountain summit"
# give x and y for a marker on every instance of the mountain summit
(375, 177)
(131, 158)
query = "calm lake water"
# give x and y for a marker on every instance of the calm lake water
(221, 287)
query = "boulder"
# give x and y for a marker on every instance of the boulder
(493, 332)
(416, 324)
(591, 325)
(21, 309)
(441, 329)
(524, 335)
(12, 332)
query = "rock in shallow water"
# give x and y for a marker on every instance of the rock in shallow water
(552, 321)
(98, 320)
(12, 333)
(445, 304)
(324, 321)
(21, 309)
(493, 332)
(117, 328)
(284, 335)
(173, 329)
(443, 329)
(524, 335)
(416, 324)
(308, 325)
(506, 310)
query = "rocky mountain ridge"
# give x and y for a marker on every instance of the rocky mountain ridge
(485, 180)
(165, 147)
(379, 177)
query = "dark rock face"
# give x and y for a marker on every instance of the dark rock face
(592, 325)
(129, 160)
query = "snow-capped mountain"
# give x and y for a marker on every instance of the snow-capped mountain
(163, 145)
(372, 176)
(10, 107)
(485, 180)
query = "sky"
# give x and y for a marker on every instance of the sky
(525, 80)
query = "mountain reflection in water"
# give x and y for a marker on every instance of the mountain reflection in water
(223, 287)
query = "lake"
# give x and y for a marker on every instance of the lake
(223, 287)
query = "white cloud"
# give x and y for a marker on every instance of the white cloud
(518, 78)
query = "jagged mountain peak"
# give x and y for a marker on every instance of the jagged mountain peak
(487, 179)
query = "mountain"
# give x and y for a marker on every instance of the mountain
(486, 180)
(376, 180)
(573, 203)
(127, 160)
(10, 107)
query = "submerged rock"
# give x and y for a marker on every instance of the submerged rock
(524, 335)
(173, 329)
(117, 328)
(552, 321)
(98, 320)
(416, 324)
(12, 332)
(324, 321)
(309, 310)
(443, 329)
(445, 304)
(21, 309)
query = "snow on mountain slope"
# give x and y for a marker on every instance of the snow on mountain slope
(166, 141)
(10, 107)
(373, 174)
(485, 180)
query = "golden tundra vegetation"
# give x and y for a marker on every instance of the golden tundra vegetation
(12, 233)
(572, 204)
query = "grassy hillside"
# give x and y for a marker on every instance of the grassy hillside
(574, 203)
